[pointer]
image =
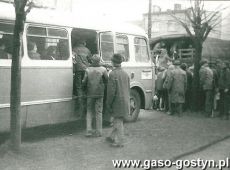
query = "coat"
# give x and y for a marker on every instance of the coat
(160, 81)
(81, 58)
(206, 78)
(177, 85)
(95, 79)
(118, 93)
(224, 80)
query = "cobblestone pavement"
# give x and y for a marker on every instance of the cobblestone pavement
(154, 136)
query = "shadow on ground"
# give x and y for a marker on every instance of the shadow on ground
(49, 131)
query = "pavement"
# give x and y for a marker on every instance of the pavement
(155, 135)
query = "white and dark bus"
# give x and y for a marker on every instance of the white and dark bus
(47, 83)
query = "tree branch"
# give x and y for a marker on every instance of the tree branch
(183, 25)
(208, 29)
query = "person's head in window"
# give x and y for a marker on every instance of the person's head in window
(51, 53)
(2, 44)
(32, 46)
(3, 54)
(63, 50)
(32, 51)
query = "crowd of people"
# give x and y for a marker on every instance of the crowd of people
(174, 88)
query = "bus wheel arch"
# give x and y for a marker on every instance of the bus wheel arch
(136, 103)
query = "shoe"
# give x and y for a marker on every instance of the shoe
(109, 139)
(89, 134)
(97, 134)
(116, 145)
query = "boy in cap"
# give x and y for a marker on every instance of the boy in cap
(95, 79)
(118, 100)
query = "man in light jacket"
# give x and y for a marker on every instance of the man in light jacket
(206, 84)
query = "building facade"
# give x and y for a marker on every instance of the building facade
(164, 24)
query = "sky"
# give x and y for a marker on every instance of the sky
(126, 10)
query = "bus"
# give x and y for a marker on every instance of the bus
(181, 46)
(47, 83)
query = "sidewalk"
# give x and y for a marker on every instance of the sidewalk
(154, 136)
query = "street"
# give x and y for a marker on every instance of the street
(155, 135)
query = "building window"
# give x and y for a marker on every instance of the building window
(47, 43)
(172, 26)
(141, 50)
(156, 26)
(122, 46)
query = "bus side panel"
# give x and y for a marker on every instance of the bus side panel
(42, 84)
(5, 78)
(38, 84)
(145, 81)
(46, 83)
(40, 88)
(50, 113)
(5, 119)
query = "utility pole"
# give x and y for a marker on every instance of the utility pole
(150, 19)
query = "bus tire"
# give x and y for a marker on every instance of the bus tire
(135, 105)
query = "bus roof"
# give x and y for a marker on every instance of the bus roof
(52, 17)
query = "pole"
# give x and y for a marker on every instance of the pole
(150, 19)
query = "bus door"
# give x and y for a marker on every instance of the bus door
(106, 46)
(144, 68)
(138, 65)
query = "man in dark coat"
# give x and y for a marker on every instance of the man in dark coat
(177, 86)
(224, 87)
(165, 86)
(118, 100)
(80, 62)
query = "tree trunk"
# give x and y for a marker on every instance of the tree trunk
(196, 83)
(15, 96)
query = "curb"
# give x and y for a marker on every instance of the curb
(199, 149)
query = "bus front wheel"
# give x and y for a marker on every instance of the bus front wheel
(135, 105)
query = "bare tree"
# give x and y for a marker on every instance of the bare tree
(15, 95)
(202, 22)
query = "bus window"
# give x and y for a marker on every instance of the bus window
(141, 50)
(47, 43)
(107, 46)
(6, 40)
(122, 46)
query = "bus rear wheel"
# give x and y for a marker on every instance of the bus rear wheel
(135, 105)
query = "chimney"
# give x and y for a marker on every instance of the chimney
(177, 7)
(156, 9)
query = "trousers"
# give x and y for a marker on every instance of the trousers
(118, 131)
(94, 108)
